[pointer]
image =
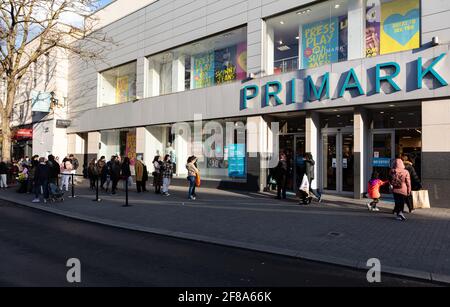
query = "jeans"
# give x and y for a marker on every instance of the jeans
(191, 180)
(41, 188)
(65, 181)
(313, 191)
(400, 201)
(3, 181)
(166, 184)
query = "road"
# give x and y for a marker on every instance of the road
(36, 245)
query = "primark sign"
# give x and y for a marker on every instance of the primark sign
(382, 78)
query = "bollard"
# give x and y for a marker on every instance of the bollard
(73, 187)
(126, 193)
(96, 191)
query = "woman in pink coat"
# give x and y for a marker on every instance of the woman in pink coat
(401, 187)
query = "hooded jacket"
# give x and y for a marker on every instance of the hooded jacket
(400, 179)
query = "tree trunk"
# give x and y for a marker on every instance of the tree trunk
(6, 142)
(6, 121)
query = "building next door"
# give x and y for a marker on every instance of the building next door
(293, 146)
(337, 163)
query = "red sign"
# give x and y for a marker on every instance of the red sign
(24, 134)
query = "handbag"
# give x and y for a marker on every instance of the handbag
(420, 199)
(197, 180)
(304, 186)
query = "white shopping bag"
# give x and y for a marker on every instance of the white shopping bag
(305, 184)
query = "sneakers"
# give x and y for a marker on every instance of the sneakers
(376, 209)
(36, 200)
(369, 206)
(192, 198)
(166, 194)
(319, 200)
(401, 216)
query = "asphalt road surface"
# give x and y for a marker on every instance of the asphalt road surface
(35, 247)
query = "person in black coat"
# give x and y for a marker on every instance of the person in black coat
(416, 184)
(54, 169)
(126, 171)
(41, 180)
(309, 171)
(281, 172)
(115, 174)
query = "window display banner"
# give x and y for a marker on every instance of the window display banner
(343, 38)
(373, 22)
(400, 25)
(320, 43)
(204, 70)
(241, 69)
(225, 65)
(122, 89)
(130, 150)
(236, 160)
(381, 162)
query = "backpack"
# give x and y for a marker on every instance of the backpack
(397, 180)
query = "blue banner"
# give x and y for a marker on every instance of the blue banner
(236, 161)
(381, 162)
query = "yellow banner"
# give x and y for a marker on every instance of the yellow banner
(400, 26)
(122, 90)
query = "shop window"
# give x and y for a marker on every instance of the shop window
(308, 38)
(120, 143)
(118, 85)
(392, 26)
(213, 61)
(398, 118)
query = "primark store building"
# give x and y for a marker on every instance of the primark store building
(356, 83)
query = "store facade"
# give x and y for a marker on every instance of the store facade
(356, 83)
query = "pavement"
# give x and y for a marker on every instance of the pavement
(36, 246)
(337, 231)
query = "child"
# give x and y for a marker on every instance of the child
(373, 191)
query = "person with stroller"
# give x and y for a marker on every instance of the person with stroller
(41, 180)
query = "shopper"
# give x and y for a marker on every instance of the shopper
(115, 174)
(373, 191)
(193, 172)
(167, 173)
(41, 181)
(23, 178)
(309, 171)
(3, 174)
(281, 172)
(55, 170)
(401, 187)
(66, 170)
(416, 184)
(157, 175)
(92, 173)
(31, 173)
(75, 166)
(126, 172)
(141, 177)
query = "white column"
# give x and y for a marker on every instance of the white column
(436, 151)
(360, 142)
(312, 135)
(269, 50)
(178, 74)
(153, 79)
(94, 139)
(153, 143)
(356, 27)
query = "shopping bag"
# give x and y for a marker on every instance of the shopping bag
(421, 199)
(197, 180)
(304, 186)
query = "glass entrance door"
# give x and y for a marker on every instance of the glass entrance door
(293, 146)
(382, 155)
(337, 160)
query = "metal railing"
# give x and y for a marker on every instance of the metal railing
(287, 64)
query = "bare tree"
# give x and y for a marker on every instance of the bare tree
(31, 29)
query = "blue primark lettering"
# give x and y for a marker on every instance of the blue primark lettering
(347, 85)
(293, 90)
(274, 94)
(247, 97)
(311, 87)
(387, 78)
(421, 73)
